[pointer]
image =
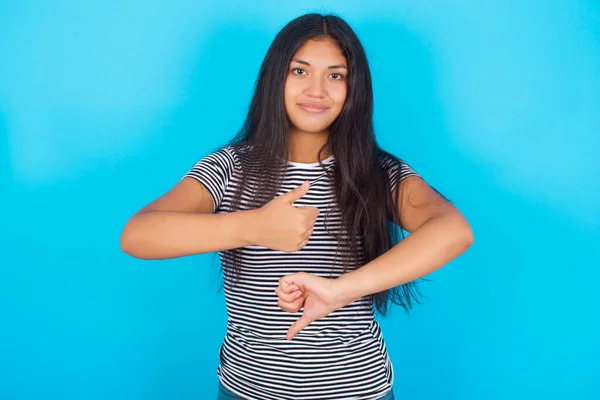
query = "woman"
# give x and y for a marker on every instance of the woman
(304, 208)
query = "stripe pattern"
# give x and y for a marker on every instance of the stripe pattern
(341, 356)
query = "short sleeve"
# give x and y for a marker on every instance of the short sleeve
(214, 171)
(397, 170)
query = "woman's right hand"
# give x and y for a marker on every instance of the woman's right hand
(282, 226)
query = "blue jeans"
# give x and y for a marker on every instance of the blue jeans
(225, 394)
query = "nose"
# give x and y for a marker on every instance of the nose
(315, 87)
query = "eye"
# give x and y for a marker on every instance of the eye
(337, 77)
(298, 71)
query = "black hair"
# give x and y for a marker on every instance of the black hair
(361, 181)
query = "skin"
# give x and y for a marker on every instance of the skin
(181, 222)
(439, 232)
(315, 92)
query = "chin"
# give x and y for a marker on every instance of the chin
(313, 128)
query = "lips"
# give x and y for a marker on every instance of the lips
(313, 108)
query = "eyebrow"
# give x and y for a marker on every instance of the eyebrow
(299, 61)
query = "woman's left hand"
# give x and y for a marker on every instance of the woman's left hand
(319, 297)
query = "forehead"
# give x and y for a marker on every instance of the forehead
(320, 52)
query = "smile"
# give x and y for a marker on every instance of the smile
(313, 108)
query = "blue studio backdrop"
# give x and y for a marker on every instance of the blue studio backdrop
(105, 105)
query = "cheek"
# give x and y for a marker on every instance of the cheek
(291, 91)
(290, 97)
(339, 97)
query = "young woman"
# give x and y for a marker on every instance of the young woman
(304, 207)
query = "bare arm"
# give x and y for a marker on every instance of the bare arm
(439, 233)
(181, 223)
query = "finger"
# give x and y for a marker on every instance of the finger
(286, 288)
(297, 278)
(296, 194)
(304, 243)
(290, 288)
(315, 212)
(288, 297)
(297, 326)
(292, 307)
(309, 234)
(310, 212)
(286, 283)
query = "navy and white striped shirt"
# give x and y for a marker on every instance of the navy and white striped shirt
(341, 356)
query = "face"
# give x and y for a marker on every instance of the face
(315, 88)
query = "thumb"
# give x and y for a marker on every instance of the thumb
(297, 326)
(297, 193)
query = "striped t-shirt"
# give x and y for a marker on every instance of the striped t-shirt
(341, 356)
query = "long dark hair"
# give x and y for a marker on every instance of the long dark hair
(362, 184)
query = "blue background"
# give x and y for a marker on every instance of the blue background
(105, 105)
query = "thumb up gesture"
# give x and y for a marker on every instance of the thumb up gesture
(284, 227)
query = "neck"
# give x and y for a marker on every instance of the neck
(304, 146)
